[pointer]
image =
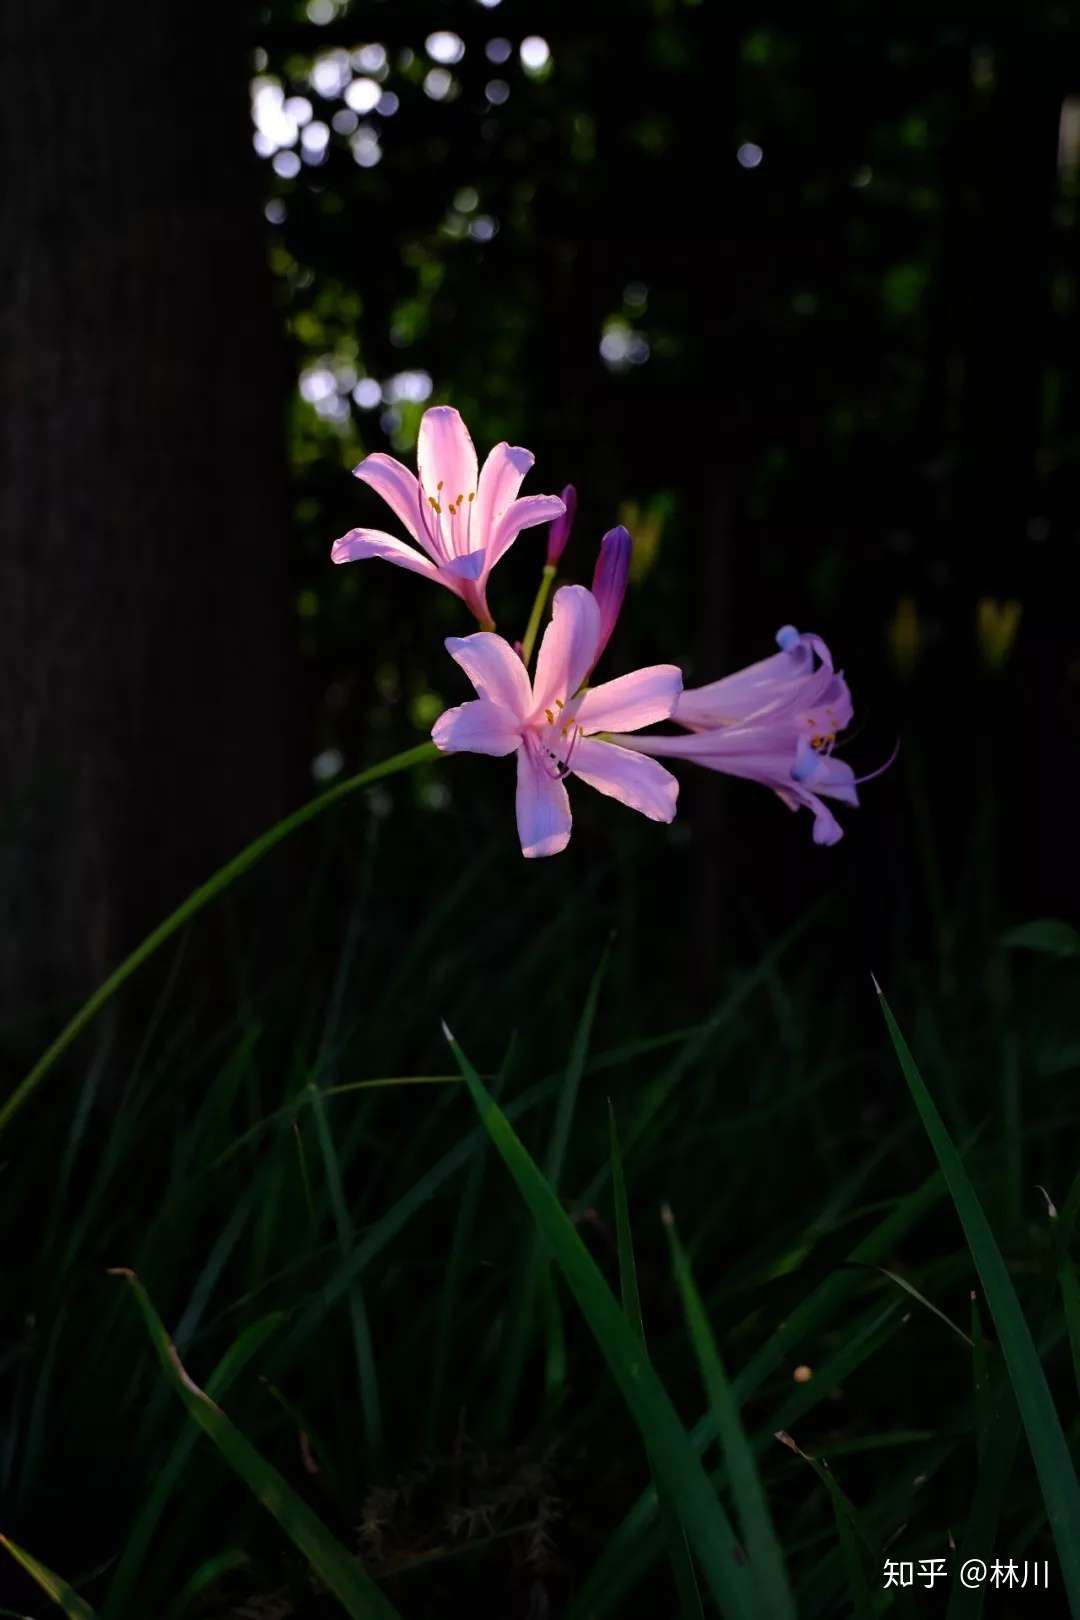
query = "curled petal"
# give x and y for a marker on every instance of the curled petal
(631, 701)
(543, 808)
(496, 491)
(481, 727)
(633, 779)
(445, 456)
(360, 544)
(568, 650)
(495, 670)
(836, 778)
(523, 514)
(827, 830)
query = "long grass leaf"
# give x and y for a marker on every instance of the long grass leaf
(751, 1507)
(142, 1532)
(1049, 1448)
(199, 898)
(682, 1564)
(677, 1467)
(64, 1596)
(853, 1542)
(357, 1593)
(527, 1273)
(367, 1373)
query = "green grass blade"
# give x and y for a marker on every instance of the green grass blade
(464, 1225)
(1066, 1275)
(849, 1533)
(682, 1564)
(678, 1468)
(1049, 1449)
(358, 1595)
(628, 1283)
(698, 1039)
(367, 1374)
(752, 1510)
(64, 1596)
(528, 1272)
(141, 1535)
(209, 1574)
(635, 1543)
(627, 1548)
(199, 898)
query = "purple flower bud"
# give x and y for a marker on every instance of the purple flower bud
(559, 533)
(609, 581)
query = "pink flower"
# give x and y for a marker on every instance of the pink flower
(463, 523)
(775, 722)
(549, 722)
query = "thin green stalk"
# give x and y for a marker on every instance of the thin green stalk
(543, 590)
(196, 901)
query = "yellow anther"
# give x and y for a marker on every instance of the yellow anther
(559, 704)
(434, 503)
(472, 497)
(439, 485)
(550, 716)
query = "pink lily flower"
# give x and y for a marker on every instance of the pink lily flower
(550, 722)
(775, 722)
(462, 521)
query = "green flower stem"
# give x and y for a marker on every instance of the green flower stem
(529, 639)
(248, 857)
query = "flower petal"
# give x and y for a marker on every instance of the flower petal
(495, 670)
(631, 701)
(783, 682)
(496, 490)
(445, 456)
(481, 727)
(827, 830)
(543, 808)
(568, 649)
(360, 544)
(836, 778)
(523, 514)
(401, 492)
(633, 779)
(470, 566)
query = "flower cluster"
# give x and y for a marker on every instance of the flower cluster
(775, 722)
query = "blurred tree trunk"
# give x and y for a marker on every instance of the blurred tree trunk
(145, 726)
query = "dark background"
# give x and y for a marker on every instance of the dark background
(831, 381)
(839, 390)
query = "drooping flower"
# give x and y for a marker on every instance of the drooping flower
(775, 722)
(550, 721)
(560, 530)
(462, 521)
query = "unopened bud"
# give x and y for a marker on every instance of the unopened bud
(559, 533)
(609, 580)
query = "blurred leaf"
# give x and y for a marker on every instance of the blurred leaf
(1049, 935)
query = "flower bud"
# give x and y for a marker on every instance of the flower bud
(559, 533)
(609, 580)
